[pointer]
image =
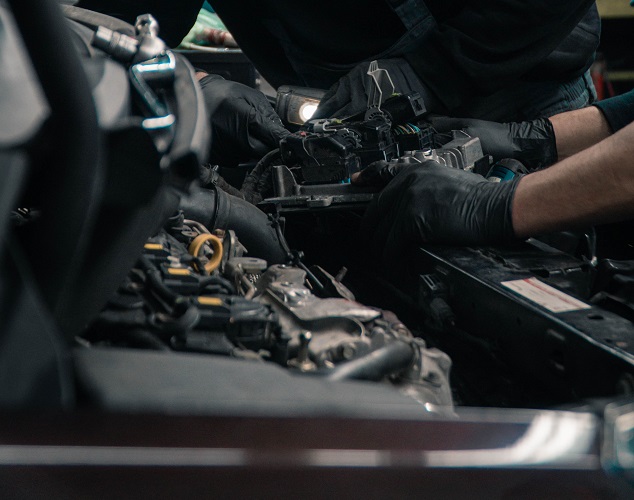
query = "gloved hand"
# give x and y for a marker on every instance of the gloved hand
(378, 173)
(533, 143)
(430, 202)
(349, 95)
(244, 125)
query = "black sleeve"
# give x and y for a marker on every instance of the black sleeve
(175, 17)
(618, 111)
(486, 45)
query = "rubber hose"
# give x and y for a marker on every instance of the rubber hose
(392, 358)
(219, 210)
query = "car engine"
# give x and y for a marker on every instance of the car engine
(221, 277)
(164, 335)
(197, 291)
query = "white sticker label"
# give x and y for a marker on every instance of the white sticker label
(545, 295)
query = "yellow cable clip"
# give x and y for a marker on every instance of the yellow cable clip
(216, 246)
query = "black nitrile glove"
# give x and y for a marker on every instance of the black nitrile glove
(349, 95)
(430, 202)
(378, 173)
(244, 125)
(533, 143)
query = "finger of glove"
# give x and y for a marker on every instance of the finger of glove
(327, 105)
(433, 205)
(360, 84)
(347, 96)
(249, 123)
(406, 81)
(215, 91)
(384, 230)
(237, 102)
(531, 142)
(495, 138)
(345, 102)
(403, 77)
(444, 124)
(266, 126)
(452, 206)
(422, 204)
(441, 204)
(227, 119)
(372, 175)
(231, 128)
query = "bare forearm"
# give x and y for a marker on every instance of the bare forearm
(578, 130)
(591, 187)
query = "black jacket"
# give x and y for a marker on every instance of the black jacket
(461, 48)
(465, 48)
(468, 48)
(481, 49)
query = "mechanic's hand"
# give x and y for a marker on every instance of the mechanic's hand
(349, 95)
(244, 125)
(378, 173)
(430, 202)
(533, 143)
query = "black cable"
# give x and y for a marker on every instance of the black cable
(219, 281)
(275, 223)
(153, 277)
(293, 256)
(265, 161)
(183, 315)
(253, 183)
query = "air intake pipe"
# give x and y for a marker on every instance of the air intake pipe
(218, 210)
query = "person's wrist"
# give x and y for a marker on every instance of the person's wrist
(550, 142)
(519, 209)
(534, 143)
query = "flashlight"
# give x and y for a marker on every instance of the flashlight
(296, 105)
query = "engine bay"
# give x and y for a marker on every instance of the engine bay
(135, 285)
(192, 291)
